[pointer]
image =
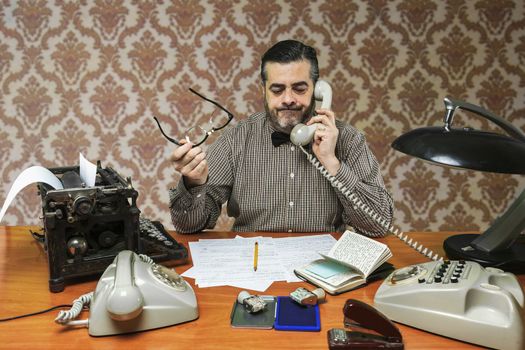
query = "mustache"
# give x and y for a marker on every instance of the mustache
(295, 108)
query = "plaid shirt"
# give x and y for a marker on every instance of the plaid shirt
(277, 189)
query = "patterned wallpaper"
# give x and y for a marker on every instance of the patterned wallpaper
(87, 76)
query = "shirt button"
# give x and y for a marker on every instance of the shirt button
(291, 204)
(292, 148)
(292, 175)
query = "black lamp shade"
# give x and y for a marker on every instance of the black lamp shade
(477, 150)
(465, 148)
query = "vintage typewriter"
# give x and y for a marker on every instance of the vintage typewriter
(86, 227)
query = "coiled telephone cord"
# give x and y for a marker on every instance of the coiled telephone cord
(66, 318)
(358, 204)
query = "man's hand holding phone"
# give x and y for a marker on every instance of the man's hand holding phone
(190, 163)
(325, 139)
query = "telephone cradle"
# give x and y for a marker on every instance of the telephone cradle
(457, 299)
(134, 294)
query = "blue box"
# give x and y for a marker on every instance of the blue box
(291, 316)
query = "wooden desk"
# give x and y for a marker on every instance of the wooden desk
(24, 289)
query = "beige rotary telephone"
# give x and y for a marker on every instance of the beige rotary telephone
(134, 294)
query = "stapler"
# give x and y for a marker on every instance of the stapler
(381, 332)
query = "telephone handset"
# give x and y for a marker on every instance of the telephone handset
(124, 300)
(302, 134)
(134, 294)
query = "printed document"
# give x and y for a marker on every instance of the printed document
(218, 262)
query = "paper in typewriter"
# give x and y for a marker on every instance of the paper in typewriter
(36, 173)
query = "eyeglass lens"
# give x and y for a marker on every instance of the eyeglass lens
(198, 133)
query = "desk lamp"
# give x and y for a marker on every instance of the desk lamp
(500, 245)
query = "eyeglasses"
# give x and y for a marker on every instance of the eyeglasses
(199, 133)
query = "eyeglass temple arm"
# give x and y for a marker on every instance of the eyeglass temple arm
(163, 133)
(230, 114)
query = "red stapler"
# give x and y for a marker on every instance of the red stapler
(380, 333)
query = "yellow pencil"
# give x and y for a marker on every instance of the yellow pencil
(255, 256)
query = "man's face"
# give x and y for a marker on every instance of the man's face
(288, 94)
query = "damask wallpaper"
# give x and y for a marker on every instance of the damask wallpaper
(87, 76)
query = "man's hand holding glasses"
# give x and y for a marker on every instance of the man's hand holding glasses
(191, 163)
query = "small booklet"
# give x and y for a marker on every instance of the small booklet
(354, 260)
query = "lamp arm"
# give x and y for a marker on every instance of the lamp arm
(451, 106)
(505, 230)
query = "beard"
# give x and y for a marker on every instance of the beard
(283, 119)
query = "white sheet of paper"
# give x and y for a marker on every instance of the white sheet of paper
(219, 262)
(190, 273)
(260, 285)
(30, 175)
(88, 171)
(230, 261)
(294, 252)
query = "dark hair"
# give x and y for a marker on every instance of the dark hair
(287, 51)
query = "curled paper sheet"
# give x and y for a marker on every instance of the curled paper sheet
(88, 174)
(30, 175)
(88, 171)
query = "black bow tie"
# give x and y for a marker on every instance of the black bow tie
(278, 138)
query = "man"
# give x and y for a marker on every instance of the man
(274, 187)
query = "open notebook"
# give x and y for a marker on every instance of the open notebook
(353, 261)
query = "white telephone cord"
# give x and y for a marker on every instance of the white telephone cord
(358, 204)
(67, 318)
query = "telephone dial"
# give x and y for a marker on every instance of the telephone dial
(134, 294)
